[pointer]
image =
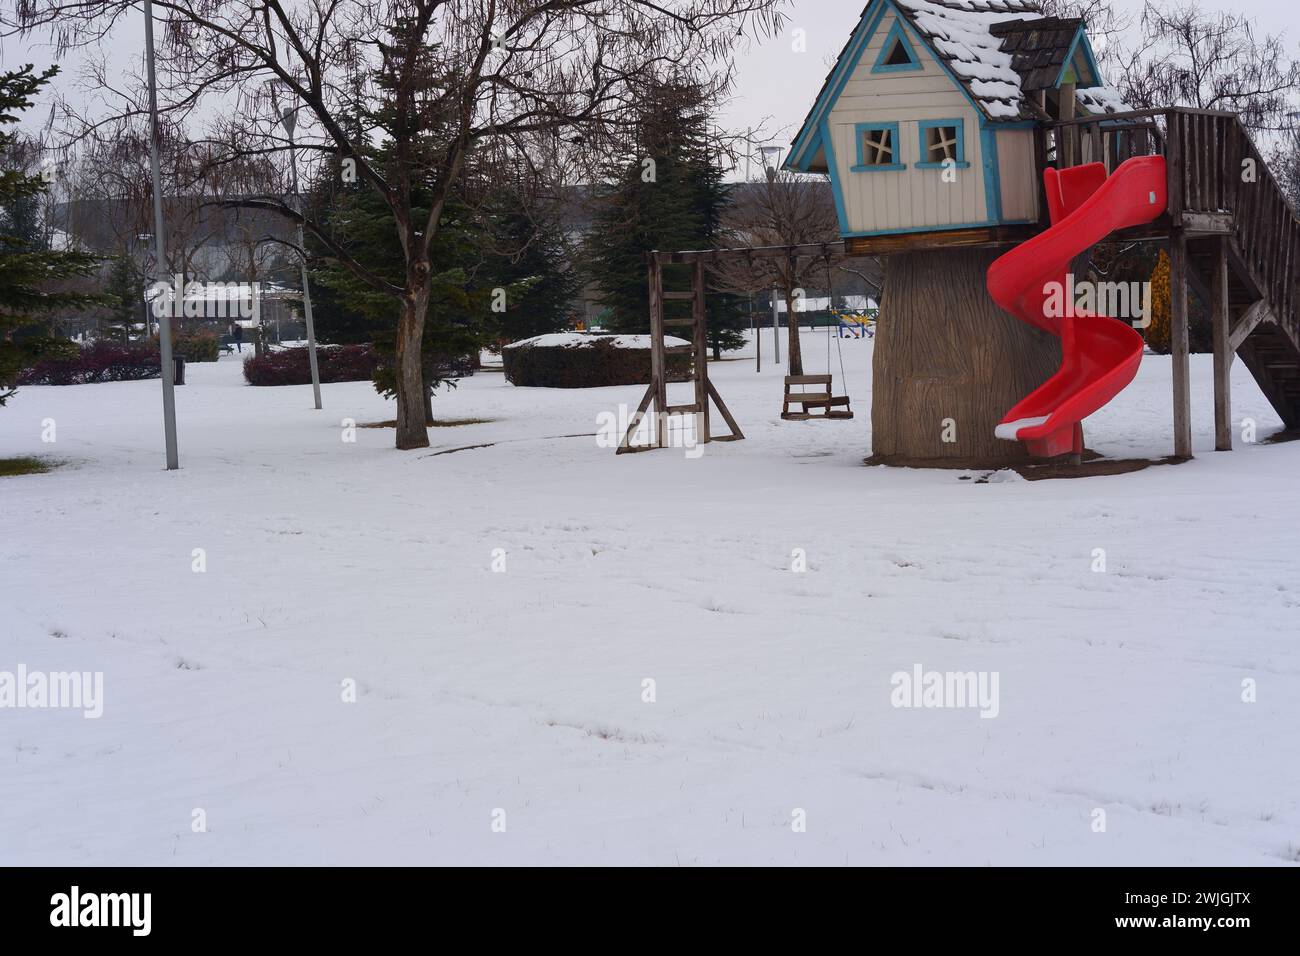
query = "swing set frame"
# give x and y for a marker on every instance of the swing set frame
(655, 400)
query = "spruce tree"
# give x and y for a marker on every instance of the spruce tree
(667, 194)
(528, 254)
(124, 290)
(27, 271)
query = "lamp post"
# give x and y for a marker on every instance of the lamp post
(159, 235)
(771, 155)
(289, 119)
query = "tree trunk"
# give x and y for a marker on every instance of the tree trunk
(792, 328)
(949, 363)
(409, 374)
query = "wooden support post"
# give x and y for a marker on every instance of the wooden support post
(1067, 136)
(1222, 348)
(1178, 343)
(700, 337)
(658, 370)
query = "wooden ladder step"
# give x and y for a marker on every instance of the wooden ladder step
(691, 409)
(679, 296)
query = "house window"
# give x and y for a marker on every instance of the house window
(943, 142)
(877, 147)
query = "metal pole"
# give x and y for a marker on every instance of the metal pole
(776, 329)
(302, 245)
(164, 324)
(756, 334)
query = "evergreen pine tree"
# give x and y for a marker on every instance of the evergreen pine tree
(26, 272)
(670, 195)
(529, 255)
(124, 290)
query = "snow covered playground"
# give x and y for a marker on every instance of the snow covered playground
(519, 647)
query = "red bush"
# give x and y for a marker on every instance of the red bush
(338, 363)
(100, 362)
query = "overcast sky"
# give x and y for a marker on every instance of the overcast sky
(776, 86)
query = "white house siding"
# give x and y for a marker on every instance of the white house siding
(910, 198)
(1017, 171)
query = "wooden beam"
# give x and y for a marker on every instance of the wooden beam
(658, 363)
(1256, 314)
(990, 236)
(1066, 136)
(1179, 347)
(626, 445)
(700, 339)
(814, 250)
(1174, 167)
(1222, 348)
(736, 433)
(1210, 223)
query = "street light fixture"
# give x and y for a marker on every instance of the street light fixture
(289, 120)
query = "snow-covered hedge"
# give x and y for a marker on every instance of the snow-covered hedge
(576, 360)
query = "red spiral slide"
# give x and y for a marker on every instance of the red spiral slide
(1099, 355)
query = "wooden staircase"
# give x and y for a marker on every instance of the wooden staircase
(1269, 349)
(1232, 236)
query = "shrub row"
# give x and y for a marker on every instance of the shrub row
(589, 365)
(99, 362)
(199, 345)
(338, 363)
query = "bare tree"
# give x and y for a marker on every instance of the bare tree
(443, 84)
(785, 209)
(1219, 61)
(1107, 27)
(111, 200)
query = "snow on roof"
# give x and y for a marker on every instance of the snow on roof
(1101, 99)
(583, 339)
(960, 32)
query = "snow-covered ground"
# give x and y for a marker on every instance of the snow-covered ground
(517, 695)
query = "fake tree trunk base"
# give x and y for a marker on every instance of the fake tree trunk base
(949, 363)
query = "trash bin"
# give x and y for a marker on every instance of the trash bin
(178, 369)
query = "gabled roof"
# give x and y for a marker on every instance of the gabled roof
(959, 33)
(994, 50)
(1041, 49)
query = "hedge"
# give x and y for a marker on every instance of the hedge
(591, 364)
(338, 363)
(197, 346)
(98, 362)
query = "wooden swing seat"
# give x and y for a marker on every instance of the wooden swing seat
(810, 401)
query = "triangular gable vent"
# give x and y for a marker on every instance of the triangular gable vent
(898, 56)
(896, 53)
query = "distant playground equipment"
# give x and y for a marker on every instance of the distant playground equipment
(856, 325)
